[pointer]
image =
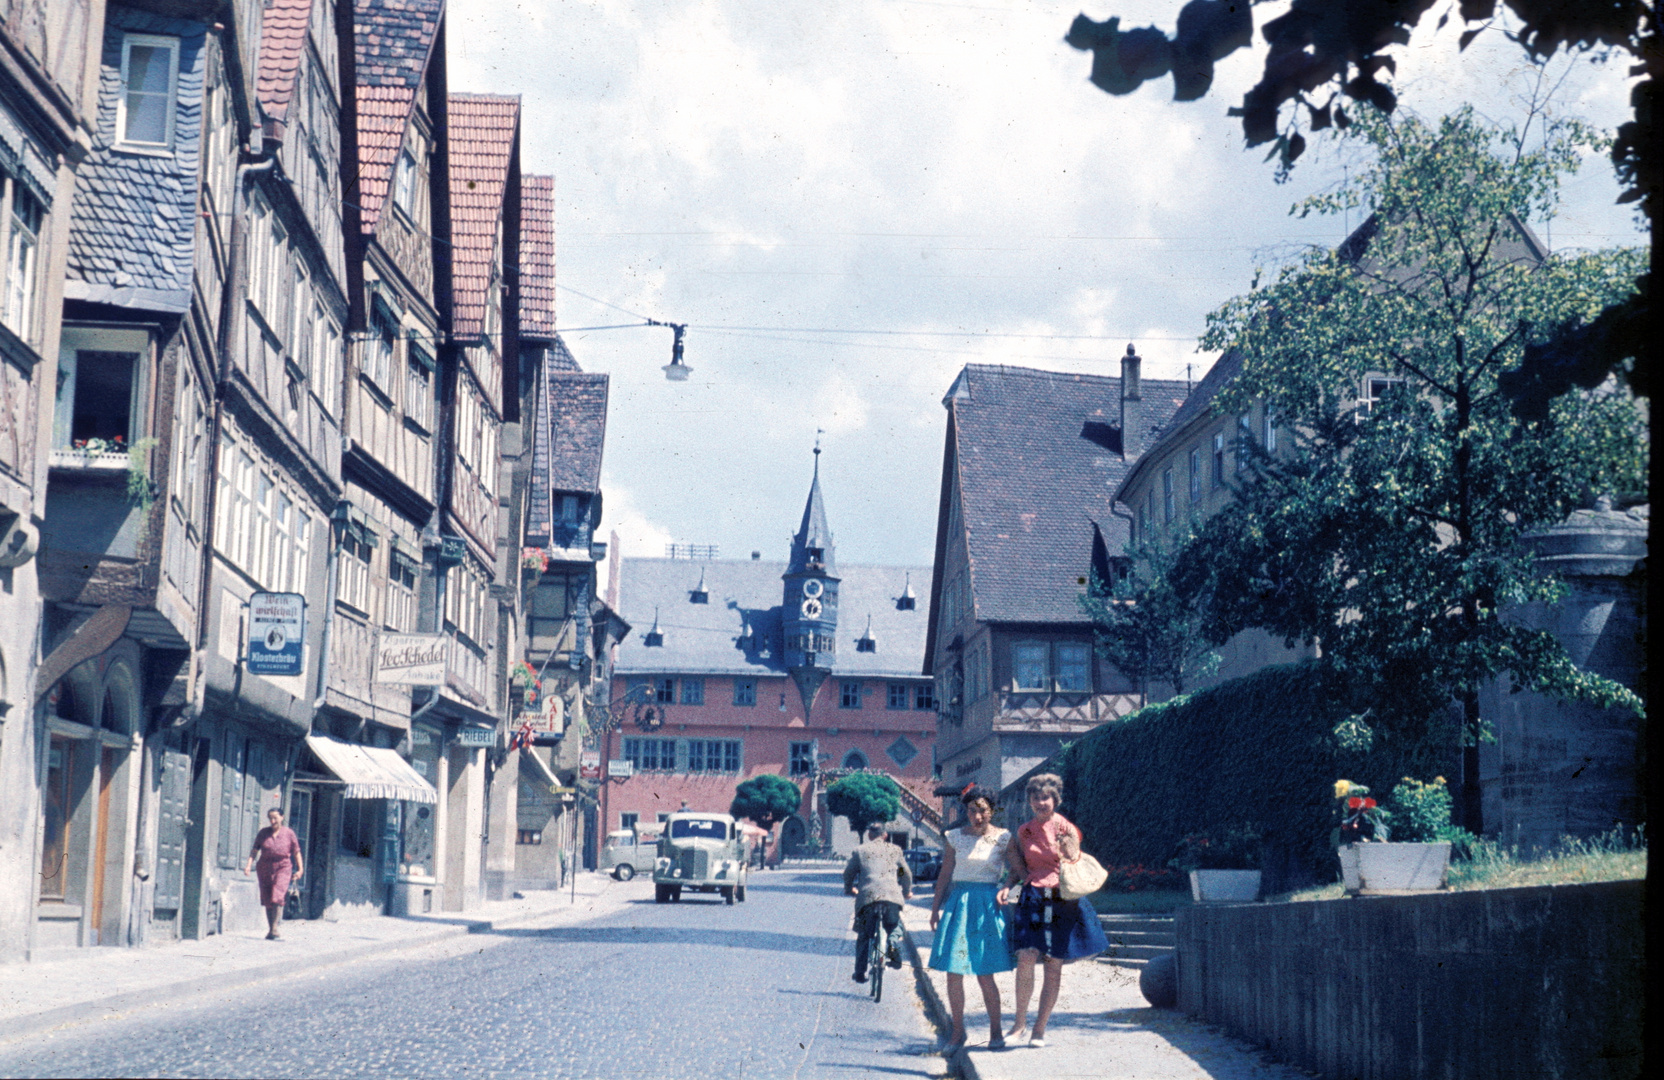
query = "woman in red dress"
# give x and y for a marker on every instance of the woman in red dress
(274, 858)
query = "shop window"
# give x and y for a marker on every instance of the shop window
(361, 821)
(149, 72)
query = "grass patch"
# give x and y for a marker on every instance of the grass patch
(1154, 902)
(1316, 892)
(1620, 855)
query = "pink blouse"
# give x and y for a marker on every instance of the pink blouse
(1041, 856)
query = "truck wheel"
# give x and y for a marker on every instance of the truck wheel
(624, 872)
(676, 893)
(739, 894)
(728, 895)
(661, 893)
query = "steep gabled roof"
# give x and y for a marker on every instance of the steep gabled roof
(537, 256)
(394, 42)
(484, 129)
(813, 532)
(282, 43)
(577, 429)
(1034, 477)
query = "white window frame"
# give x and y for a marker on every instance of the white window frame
(171, 44)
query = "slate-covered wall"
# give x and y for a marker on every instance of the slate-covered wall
(1431, 985)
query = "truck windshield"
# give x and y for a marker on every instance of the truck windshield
(696, 829)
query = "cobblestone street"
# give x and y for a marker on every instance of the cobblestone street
(638, 989)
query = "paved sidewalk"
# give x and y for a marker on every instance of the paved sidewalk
(66, 986)
(1102, 1028)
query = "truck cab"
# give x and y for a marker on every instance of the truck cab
(700, 852)
(628, 852)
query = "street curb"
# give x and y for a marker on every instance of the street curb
(958, 1061)
(80, 1011)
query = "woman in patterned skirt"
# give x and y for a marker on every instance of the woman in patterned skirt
(1062, 930)
(966, 915)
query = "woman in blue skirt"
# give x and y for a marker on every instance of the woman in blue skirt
(1044, 923)
(966, 915)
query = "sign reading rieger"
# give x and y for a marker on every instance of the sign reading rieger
(276, 632)
(411, 659)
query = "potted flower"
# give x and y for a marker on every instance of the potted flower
(524, 676)
(1223, 864)
(533, 561)
(1409, 856)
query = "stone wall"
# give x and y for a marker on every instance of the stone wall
(1541, 982)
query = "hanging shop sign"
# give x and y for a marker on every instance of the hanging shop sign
(589, 765)
(411, 659)
(476, 736)
(621, 768)
(549, 718)
(276, 633)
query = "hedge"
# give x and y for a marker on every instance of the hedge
(1257, 750)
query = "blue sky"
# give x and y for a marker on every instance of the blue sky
(848, 202)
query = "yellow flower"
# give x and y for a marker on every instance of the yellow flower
(1342, 787)
(1438, 779)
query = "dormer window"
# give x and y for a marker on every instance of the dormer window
(866, 642)
(907, 601)
(699, 595)
(149, 73)
(653, 639)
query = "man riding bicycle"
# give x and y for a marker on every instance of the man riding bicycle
(878, 877)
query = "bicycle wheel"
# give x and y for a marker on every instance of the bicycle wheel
(875, 959)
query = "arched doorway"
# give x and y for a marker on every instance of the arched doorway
(793, 834)
(855, 760)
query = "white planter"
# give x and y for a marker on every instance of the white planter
(1224, 886)
(1373, 868)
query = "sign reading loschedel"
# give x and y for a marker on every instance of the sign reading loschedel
(411, 659)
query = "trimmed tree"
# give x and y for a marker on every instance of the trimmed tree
(766, 800)
(864, 798)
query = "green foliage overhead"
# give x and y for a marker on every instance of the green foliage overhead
(864, 798)
(766, 800)
(1254, 753)
(1392, 535)
(1149, 627)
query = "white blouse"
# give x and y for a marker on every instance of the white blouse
(979, 859)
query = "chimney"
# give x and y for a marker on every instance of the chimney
(1132, 429)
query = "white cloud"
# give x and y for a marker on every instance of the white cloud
(941, 172)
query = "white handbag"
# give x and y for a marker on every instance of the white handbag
(1083, 877)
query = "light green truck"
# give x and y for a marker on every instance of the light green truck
(700, 853)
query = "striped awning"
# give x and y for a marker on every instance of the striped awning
(371, 772)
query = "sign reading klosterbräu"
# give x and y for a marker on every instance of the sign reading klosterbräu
(276, 633)
(411, 659)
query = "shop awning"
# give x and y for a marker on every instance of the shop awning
(371, 772)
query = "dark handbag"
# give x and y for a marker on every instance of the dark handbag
(291, 903)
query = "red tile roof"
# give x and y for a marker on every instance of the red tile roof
(484, 132)
(282, 42)
(537, 256)
(394, 43)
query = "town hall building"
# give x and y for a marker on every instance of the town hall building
(806, 668)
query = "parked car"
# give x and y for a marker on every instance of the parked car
(925, 862)
(629, 852)
(700, 853)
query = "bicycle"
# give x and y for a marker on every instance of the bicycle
(878, 948)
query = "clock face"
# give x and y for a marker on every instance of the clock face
(813, 587)
(811, 608)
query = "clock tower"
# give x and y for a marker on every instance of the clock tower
(809, 604)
